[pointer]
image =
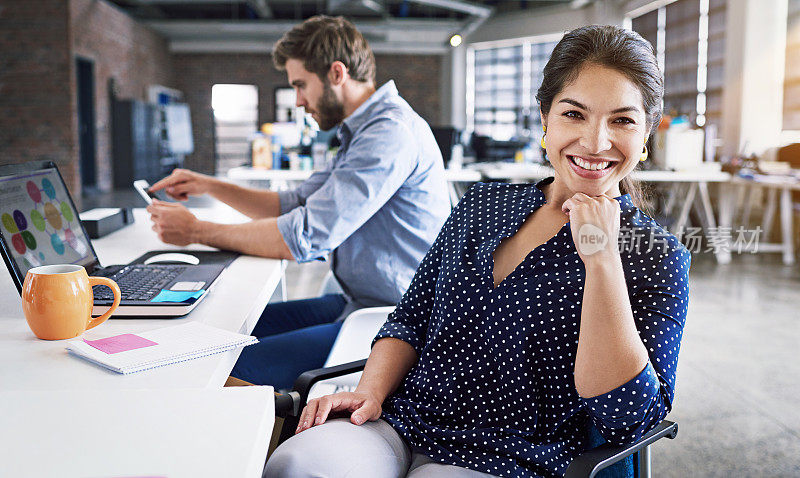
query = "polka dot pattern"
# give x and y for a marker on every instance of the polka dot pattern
(493, 389)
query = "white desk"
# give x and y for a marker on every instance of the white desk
(280, 179)
(246, 173)
(105, 433)
(67, 417)
(234, 303)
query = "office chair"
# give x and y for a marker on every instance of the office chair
(589, 464)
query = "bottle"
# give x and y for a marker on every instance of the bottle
(294, 161)
(277, 152)
(318, 151)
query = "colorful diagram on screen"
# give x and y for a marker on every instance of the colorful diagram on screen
(51, 217)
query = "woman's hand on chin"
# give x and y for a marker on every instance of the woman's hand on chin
(362, 405)
(594, 223)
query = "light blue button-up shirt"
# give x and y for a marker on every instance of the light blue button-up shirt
(377, 206)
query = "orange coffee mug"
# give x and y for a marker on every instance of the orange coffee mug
(57, 301)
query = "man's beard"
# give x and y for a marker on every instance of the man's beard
(330, 111)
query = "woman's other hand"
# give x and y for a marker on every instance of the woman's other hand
(594, 222)
(364, 406)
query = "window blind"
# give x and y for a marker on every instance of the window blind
(791, 85)
(505, 83)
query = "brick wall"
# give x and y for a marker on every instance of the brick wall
(120, 48)
(39, 41)
(417, 77)
(36, 84)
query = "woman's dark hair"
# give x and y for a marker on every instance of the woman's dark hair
(612, 47)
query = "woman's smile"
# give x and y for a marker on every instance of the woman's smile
(591, 168)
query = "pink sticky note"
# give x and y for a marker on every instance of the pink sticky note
(120, 343)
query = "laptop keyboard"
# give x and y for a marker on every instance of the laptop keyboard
(138, 282)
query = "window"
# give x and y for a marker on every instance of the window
(235, 120)
(791, 85)
(715, 62)
(502, 93)
(689, 39)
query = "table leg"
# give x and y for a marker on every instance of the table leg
(687, 205)
(451, 188)
(747, 193)
(280, 294)
(710, 222)
(769, 212)
(787, 226)
(705, 199)
(728, 195)
(282, 286)
(672, 198)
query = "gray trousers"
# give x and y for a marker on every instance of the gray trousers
(339, 449)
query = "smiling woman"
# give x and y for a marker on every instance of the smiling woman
(532, 324)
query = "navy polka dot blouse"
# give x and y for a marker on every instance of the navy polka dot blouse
(493, 389)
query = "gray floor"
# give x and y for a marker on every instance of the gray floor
(738, 380)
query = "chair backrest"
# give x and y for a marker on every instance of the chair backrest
(354, 342)
(790, 154)
(355, 337)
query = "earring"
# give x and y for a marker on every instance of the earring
(542, 142)
(643, 157)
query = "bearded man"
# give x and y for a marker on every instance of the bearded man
(375, 209)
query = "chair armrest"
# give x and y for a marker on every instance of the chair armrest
(293, 402)
(289, 405)
(307, 380)
(591, 461)
(286, 404)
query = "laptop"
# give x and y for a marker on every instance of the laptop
(39, 226)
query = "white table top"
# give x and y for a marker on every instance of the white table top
(234, 303)
(497, 171)
(463, 175)
(246, 173)
(770, 181)
(529, 172)
(170, 433)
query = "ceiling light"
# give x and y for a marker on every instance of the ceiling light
(455, 40)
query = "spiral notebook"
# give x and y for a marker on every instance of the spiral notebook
(131, 353)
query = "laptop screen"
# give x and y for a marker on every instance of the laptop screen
(39, 225)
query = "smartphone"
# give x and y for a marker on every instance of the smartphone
(142, 187)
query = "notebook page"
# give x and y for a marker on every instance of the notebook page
(175, 344)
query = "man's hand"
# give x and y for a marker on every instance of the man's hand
(363, 407)
(173, 223)
(183, 183)
(594, 223)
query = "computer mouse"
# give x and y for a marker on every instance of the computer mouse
(173, 257)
